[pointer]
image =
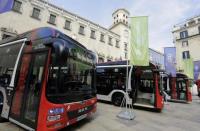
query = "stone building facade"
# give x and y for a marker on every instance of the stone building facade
(186, 37)
(30, 14)
(110, 44)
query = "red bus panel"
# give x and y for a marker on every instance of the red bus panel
(18, 96)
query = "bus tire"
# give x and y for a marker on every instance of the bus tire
(1, 107)
(158, 110)
(117, 99)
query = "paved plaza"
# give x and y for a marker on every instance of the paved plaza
(174, 117)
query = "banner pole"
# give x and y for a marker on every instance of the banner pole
(126, 81)
(128, 113)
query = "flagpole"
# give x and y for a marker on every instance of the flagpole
(128, 113)
(126, 81)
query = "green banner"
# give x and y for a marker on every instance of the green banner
(188, 66)
(139, 46)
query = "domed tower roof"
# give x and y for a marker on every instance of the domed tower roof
(120, 16)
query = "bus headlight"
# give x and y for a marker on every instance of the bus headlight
(56, 111)
(53, 118)
(55, 114)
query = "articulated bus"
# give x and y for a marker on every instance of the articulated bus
(145, 84)
(178, 88)
(46, 80)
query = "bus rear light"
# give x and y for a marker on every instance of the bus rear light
(56, 111)
(53, 118)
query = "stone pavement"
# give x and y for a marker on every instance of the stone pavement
(174, 117)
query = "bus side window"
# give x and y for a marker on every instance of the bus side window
(52, 80)
(6, 79)
(8, 57)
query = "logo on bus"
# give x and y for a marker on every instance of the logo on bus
(82, 110)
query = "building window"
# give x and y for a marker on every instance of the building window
(81, 30)
(36, 13)
(67, 25)
(125, 46)
(123, 15)
(184, 43)
(52, 19)
(125, 55)
(191, 22)
(186, 54)
(4, 36)
(102, 38)
(183, 34)
(109, 58)
(92, 34)
(117, 44)
(100, 60)
(17, 6)
(110, 40)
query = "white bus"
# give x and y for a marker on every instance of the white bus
(145, 82)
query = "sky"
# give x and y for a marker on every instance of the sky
(162, 14)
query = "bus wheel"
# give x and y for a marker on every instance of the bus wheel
(117, 99)
(158, 110)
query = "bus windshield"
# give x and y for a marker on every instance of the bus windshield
(70, 81)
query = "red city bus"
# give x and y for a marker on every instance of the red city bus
(46, 80)
(178, 88)
(145, 84)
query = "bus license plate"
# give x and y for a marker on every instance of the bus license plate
(81, 117)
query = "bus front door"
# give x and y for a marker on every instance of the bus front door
(27, 95)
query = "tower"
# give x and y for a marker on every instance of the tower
(121, 27)
(120, 16)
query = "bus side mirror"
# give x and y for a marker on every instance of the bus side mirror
(61, 50)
